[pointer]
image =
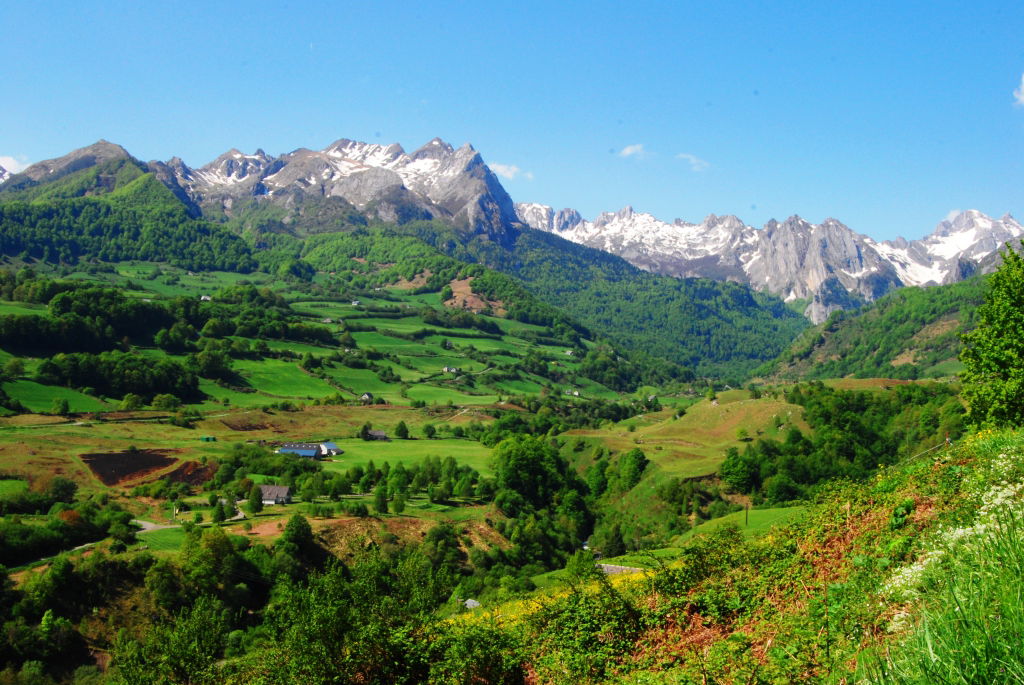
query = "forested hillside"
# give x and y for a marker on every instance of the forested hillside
(113, 212)
(910, 333)
(717, 329)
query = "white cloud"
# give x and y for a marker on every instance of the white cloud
(510, 171)
(1018, 94)
(952, 214)
(13, 164)
(635, 150)
(696, 163)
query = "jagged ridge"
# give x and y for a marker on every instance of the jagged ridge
(828, 264)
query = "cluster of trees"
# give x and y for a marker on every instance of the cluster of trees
(67, 523)
(458, 318)
(853, 433)
(44, 493)
(116, 374)
(550, 414)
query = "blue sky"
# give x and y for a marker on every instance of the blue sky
(883, 115)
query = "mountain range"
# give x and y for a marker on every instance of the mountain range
(244, 212)
(824, 266)
(827, 264)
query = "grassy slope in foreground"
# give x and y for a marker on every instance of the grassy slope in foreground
(819, 599)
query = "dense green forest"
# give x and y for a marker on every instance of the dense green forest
(131, 219)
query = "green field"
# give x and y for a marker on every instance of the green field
(408, 452)
(12, 486)
(759, 520)
(39, 398)
(282, 378)
(165, 540)
(7, 308)
(234, 398)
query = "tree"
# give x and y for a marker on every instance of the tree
(166, 402)
(402, 431)
(380, 499)
(131, 402)
(993, 353)
(429, 431)
(14, 368)
(255, 500)
(364, 432)
(218, 513)
(60, 406)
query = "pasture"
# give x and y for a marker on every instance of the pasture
(409, 452)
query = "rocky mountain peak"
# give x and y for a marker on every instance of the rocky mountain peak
(4, 174)
(99, 152)
(435, 149)
(828, 263)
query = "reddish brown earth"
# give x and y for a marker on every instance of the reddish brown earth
(192, 472)
(463, 297)
(117, 467)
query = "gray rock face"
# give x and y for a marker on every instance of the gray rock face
(4, 175)
(828, 264)
(382, 181)
(83, 158)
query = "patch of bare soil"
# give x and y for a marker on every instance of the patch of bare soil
(192, 472)
(118, 467)
(418, 281)
(463, 297)
(32, 420)
(348, 536)
(248, 421)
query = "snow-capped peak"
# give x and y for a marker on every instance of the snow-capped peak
(795, 259)
(4, 174)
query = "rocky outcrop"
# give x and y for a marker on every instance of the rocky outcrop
(436, 181)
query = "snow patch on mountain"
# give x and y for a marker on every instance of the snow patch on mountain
(827, 263)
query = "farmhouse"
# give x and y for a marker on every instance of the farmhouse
(276, 494)
(450, 369)
(310, 450)
(366, 397)
(378, 435)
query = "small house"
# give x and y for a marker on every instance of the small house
(205, 298)
(366, 398)
(276, 494)
(450, 369)
(568, 353)
(356, 303)
(378, 435)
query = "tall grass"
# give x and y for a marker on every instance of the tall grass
(974, 631)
